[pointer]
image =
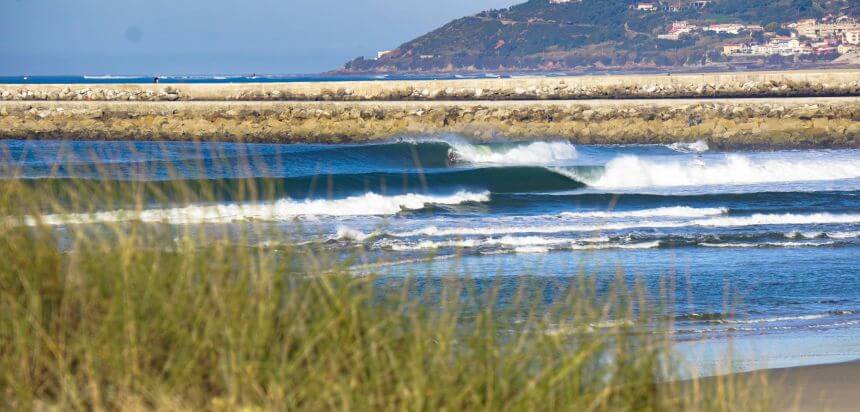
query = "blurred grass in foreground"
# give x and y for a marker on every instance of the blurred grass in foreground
(133, 317)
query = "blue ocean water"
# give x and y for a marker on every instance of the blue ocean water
(244, 78)
(763, 247)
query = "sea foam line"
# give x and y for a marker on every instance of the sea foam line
(753, 220)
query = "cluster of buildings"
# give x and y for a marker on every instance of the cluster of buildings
(832, 35)
(666, 5)
(807, 37)
(682, 28)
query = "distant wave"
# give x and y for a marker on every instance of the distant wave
(699, 146)
(739, 221)
(368, 204)
(526, 244)
(674, 211)
(111, 77)
(767, 244)
(778, 219)
(631, 172)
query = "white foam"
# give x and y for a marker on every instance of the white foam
(505, 230)
(532, 249)
(699, 146)
(777, 319)
(778, 219)
(767, 244)
(537, 153)
(369, 204)
(727, 221)
(346, 233)
(472, 243)
(678, 211)
(645, 245)
(842, 235)
(628, 172)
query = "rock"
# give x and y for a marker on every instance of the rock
(3, 111)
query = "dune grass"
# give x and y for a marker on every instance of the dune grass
(133, 316)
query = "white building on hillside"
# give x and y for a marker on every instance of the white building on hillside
(852, 37)
(814, 29)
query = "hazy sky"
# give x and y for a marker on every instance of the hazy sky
(210, 36)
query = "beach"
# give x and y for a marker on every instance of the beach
(829, 387)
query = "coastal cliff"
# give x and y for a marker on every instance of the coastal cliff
(775, 123)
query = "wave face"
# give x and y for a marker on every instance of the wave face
(634, 172)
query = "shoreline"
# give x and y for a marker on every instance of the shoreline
(725, 123)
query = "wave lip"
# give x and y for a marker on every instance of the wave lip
(369, 204)
(537, 153)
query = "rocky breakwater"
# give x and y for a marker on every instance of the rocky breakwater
(774, 123)
(711, 85)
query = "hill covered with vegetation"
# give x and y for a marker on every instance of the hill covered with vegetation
(601, 34)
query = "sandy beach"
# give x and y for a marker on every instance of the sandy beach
(830, 387)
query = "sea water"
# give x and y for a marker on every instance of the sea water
(762, 247)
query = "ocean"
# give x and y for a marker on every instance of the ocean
(762, 247)
(248, 78)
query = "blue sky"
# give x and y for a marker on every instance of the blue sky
(39, 37)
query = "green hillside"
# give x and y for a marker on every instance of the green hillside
(547, 35)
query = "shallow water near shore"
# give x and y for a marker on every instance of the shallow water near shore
(762, 246)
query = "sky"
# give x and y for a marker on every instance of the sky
(159, 37)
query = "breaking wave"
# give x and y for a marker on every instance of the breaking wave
(699, 146)
(675, 211)
(778, 219)
(537, 153)
(631, 172)
(728, 221)
(367, 204)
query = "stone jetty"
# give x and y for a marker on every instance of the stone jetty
(776, 109)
